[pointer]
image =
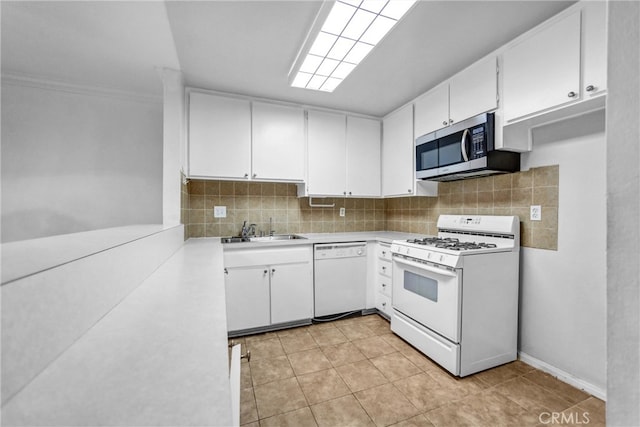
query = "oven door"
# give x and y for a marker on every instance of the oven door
(428, 294)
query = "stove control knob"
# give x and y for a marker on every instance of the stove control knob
(441, 258)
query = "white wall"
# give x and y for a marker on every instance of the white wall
(563, 292)
(73, 161)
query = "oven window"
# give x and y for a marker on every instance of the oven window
(423, 286)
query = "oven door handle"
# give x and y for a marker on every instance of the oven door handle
(426, 267)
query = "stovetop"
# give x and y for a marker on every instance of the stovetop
(451, 243)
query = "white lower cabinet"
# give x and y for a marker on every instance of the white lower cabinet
(267, 287)
(383, 279)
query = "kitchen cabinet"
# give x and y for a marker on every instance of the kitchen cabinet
(398, 151)
(327, 161)
(383, 279)
(278, 149)
(267, 287)
(363, 157)
(543, 70)
(219, 136)
(343, 155)
(471, 92)
(594, 48)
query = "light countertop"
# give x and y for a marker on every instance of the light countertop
(159, 358)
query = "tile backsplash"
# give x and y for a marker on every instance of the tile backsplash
(256, 203)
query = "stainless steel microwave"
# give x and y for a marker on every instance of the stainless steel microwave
(463, 150)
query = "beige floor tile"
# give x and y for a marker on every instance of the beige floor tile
(418, 359)
(248, 411)
(417, 421)
(498, 374)
(355, 331)
(386, 405)
(299, 342)
(328, 336)
(373, 346)
(395, 341)
(253, 424)
(568, 392)
(395, 366)
(361, 375)
(263, 349)
(466, 385)
(425, 393)
(531, 396)
(343, 411)
(292, 331)
(279, 397)
(375, 321)
(484, 409)
(298, 418)
(323, 385)
(521, 367)
(259, 337)
(596, 409)
(342, 354)
(307, 361)
(274, 368)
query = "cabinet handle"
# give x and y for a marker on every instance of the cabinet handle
(384, 304)
(246, 356)
(590, 88)
(572, 94)
(344, 192)
(255, 174)
(226, 271)
(349, 192)
(409, 191)
(384, 252)
(384, 268)
(246, 175)
(444, 123)
(450, 121)
(273, 270)
(266, 272)
(384, 285)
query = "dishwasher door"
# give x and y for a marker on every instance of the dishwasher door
(340, 278)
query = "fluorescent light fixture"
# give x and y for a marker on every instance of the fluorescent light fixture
(350, 31)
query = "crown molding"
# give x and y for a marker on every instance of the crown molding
(39, 82)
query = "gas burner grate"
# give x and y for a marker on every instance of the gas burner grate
(451, 243)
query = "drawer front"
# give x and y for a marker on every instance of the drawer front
(384, 252)
(384, 285)
(384, 268)
(383, 304)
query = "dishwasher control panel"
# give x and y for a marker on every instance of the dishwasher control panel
(338, 250)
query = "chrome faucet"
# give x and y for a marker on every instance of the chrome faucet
(271, 230)
(248, 230)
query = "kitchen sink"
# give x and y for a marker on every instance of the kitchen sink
(276, 237)
(239, 239)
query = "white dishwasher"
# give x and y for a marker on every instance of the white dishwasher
(340, 277)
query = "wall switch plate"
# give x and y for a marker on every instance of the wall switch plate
(219, 211)
(342, 211)
(536, 213)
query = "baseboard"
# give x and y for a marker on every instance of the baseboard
(564, 376)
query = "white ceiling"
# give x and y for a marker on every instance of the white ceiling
(247, 47)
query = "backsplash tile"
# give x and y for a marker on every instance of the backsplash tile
(256, 203)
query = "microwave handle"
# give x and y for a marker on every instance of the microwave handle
(463, 146)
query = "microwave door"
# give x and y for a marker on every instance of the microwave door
(427, 159)
(449, 149)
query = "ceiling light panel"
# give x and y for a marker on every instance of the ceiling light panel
(350, 32)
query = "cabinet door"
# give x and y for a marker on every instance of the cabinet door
(219, 136)
(594, 48)
(291, 292)
(473, 91)
(278, 142)
(326, 153)
(247, 297)
(432, 110)
(398, 173)
(363, 157)
(543, 71)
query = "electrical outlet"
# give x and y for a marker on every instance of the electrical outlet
(343, 211)
(536, 213)
(219, 211)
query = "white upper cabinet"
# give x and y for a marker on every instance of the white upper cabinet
(543, 70)
(326, 139)
(398, 174)
(219, 136)
(363, 157)
(594, 48)
(471, 92)
(278, 142)
(432, 110)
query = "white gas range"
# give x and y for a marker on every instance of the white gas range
(455, 296)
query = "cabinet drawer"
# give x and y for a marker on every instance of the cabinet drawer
(384, 268)
(384, 252)
(384, 285)
(383, 304)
